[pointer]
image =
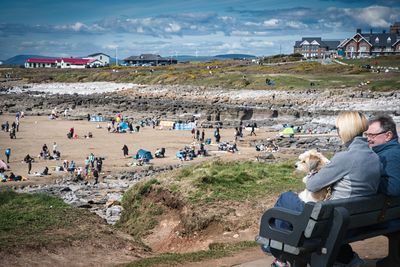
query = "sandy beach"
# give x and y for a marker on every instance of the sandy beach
(35, 131)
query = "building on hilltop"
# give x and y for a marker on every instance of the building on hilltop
(62, 63)
(370, 44)
(149, 59)
(315, 47)
(104, 59)
(395, 28)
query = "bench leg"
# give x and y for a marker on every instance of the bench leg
(393, 259)
(333, 241)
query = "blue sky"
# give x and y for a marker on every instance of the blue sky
(182, 27)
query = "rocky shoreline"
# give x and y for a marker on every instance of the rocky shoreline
(208, 105)
(104, 198)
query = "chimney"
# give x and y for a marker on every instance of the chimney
(384, 31)
(359, 31)
(370, 31)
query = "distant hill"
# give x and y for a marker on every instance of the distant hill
(20, 59)
(183, 58)
(235, 56)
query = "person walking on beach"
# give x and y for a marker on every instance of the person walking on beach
(217, 135)
(28, 159)
(8, 153)
(12, 133)
(253, 126)
(71, 132)
(96, 176)
(99, 164)
(202, 136)
(87, 163)
(91, 159)
(125, 150)
(54, 148)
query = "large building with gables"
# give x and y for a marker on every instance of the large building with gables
(370, 44)
(149, 59)
(315, 47)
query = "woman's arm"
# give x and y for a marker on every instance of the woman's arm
(332, 172)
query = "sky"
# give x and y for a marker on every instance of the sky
(77, 28)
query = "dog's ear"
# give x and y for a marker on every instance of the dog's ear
(314, 162)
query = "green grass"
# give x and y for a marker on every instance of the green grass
(199, 186)
(139, 213)
(216, 250)
(33, 220)
(237, 181)
(384, 61)
(228, 74)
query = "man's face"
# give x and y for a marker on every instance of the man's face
(377, 136)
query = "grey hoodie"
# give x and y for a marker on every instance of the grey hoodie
(354, 172)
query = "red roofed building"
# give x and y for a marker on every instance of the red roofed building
(63, 63)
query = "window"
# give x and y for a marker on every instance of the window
(376, 40)
(389, 40)
(101, 57)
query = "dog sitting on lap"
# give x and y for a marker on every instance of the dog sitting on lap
(311, 162)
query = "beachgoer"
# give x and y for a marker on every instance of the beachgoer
(125, 150)
(87, 164)
(253, 126)
(99, 164)
(193, 131)
(92, 158)
(96, 176)
(8, 154)
(202, 136)
(28, 159)
(217, 135)
(55, 148)
(12, 133)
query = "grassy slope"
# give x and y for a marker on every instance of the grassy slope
(211, 191)
(229, 74)
(38, 221)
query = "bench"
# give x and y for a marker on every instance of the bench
(317, 233)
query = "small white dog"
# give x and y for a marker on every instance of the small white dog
(311, 162)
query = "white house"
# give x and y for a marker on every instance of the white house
(104, 59)
(62, 63)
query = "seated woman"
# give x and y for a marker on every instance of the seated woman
(71, 166)
(14, 177)
(351, 173)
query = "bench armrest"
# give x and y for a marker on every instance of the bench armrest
(297, 220)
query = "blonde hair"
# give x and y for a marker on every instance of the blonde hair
(351, 124)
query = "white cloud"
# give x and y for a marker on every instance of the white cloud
(296, 25)
(173, 28)
(271, 23)
(78, 26)
(374, 16)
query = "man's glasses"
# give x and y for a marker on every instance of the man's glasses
(373, 135)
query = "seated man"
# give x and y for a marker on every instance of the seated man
(383, 139)
(45, 171)
(160, 153)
